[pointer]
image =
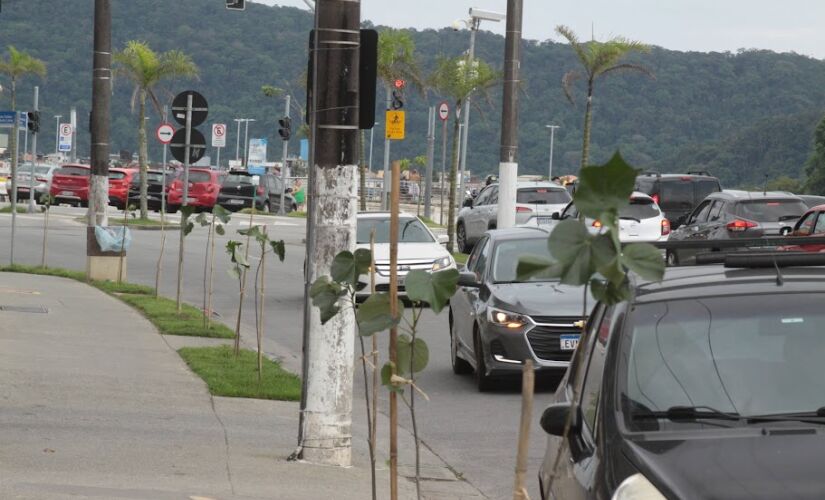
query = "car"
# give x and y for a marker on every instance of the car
(120, 180)
(42, 180)
(811, 224)
(418, 248)
(812, 200)
(241, 189)
(533, 199)
(204, 186)
(640, 221)
(498, 321)
(70, 184)
(732, 214)
(705, 385)
(154, 189)
(677, 194)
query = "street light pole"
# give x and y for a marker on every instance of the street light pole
(246, 142)
(57, 133)
(238, 139)
(552, 136)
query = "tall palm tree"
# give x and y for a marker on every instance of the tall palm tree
(454, 79)
(18, 65)
(146, 69)
(598, 59)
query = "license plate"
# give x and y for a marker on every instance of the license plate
(569, 342)
(543, 221)
(236, 202)
(67, 193)
(192, 200)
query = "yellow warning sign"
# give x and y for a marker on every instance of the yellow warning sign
(394, 125)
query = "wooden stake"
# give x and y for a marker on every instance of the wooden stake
(394, 202)
(527, 386)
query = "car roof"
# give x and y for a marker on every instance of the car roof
(816, 208)
(736, 194)
(691, 175)
(518, 233)
(529, 184)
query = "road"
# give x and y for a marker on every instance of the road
(475, 433)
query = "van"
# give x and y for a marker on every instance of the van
(677, 194)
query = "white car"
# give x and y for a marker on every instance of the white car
(418, 248)
(640, 221)
(42, 180)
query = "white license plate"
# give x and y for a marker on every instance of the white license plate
(67, 193)
(569, 342)
(236, 202)
(192, 200)
(543, 221)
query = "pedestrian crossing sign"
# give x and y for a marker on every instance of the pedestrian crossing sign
(394, 125)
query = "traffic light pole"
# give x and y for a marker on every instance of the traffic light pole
(32, 201)
(282, 209)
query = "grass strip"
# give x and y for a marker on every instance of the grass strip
(297, 214)
(238, 377)
(430, 223)
(163, 313)
(21, 209)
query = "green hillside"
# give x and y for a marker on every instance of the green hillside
(740, 115)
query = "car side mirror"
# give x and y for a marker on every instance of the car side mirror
(468, 202)
(556, 216)
(785, 231)
(554, 419)
(468, 279)
(443, 239)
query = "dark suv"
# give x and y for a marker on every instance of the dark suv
(706, 385)
(240, 190)
(736, 214)
(677, 194)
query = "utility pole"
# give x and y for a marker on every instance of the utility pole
(73, 116)
(238, 139)
(508, 158)
(385, 198)
(282, 209)
(443, 169)
(552, 136)
(326, 408)
(465, 110)
(246, 142)
(163, 179)
(428, 182)
(57, 133)
(36, 109)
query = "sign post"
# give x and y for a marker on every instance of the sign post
(443, 114)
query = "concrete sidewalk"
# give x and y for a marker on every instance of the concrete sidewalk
(94, 403)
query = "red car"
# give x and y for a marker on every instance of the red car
(70, 184)
(812, 223)
(119, 179)
(204, 186)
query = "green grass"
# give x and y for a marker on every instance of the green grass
(136, 221)
(113, 287)
(253, 211)
(21, 209)
(106, 286)
(163, 313)
(227, 376)
(430, 223)
(297, 214)
(460, 258)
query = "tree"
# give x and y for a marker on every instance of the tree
(598, 59)
(785, 183)
(146, 69)
(452, 78)
(18, 65)
(815, 166)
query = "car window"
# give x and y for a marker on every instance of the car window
(507, 254)
(237, 180)
(770, 210)
(473, 258)
(700, 214)
(639, 208)
(116, 175)
(410, 230)
(676, 193)
(595, 372)
(715, 210)
(493, 195)
(483, 197)
(703, 187)
(570, 211)
(200, 176)
(577, 363)
(645, 185)
(542, 196)
(73, 171)
(805, 225)
(481, 261)
(819, 228)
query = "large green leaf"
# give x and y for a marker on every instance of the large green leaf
(374, 316)
(279, 247)
(188, 227)
(202, 219)
(233, 248)
(386, 377)
(604, 188)
(530, 266)
(363, 261)
(434, 289)
(609, 292)
(570, 244)
(186, 211)
(347, 267)
(221, 213)
(326, 295)
(645, 260)
(408, 352)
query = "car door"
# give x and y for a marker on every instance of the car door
(474, 221)
(808, 225)
(709, 229)
(465, 303)
(490, 210)
(274, 188)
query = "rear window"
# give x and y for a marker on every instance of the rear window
(771, 210)
(199, 177)
(73, 171)
(542, 196)
(704, 187)
(116, 175)
(676, 193)
(237, 179)
(639, 208)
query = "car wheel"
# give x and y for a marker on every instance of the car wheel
(672, 259)
(483, 381)
(461, 239)
(460, 365)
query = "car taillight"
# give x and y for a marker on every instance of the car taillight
(655, 198)
(740, 225)
(523, 209)
(665, 227)
(597, 224)
(260, 191)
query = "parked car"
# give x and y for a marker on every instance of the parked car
(240, 189)
(706, 385)
(733, 214)
(640, 221)
(418, 248)
(533, 199)
(677, 194)
(204, 186)
(812, 200)
(498, 321)
(42, 180)
(154, 189)
(70, 184)
(119, 181)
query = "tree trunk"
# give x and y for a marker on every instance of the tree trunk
(588, 117)
(142, 154)
(451, 204)
(13, 146)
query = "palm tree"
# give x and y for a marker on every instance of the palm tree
(18, 65)
(453, 78)
(146, 69)
(598, 59)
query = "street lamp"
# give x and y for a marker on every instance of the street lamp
(246, 142)
(238, 139)
(552, 136)
(57, 134)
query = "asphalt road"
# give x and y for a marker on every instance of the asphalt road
(475, 433)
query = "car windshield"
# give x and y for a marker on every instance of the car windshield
(542, 196)
(507, 254)
(639, 208)
(677, 192)
(410, 230)
(199, 177)
(73, 171)
(38, 170)
(771, 210)
(748, 355)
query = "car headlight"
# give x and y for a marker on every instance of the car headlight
(506, 318)
(442, 263)
(637, 487)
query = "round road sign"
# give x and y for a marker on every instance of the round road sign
(199, 108)
(444, 111)
(197, 146)
(165, 132)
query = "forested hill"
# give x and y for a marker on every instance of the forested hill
(741, 115)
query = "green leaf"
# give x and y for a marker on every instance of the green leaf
(530, 266)
(220, 230)
(609, 292)
(408, 350)
(645, 260)
(604, 188)
(188, 228)
(186, 211)
(279, 247)
(325, 296)
(343, 268)
(221, 213)
(363, 261)
(386, 377)
(233, 248)
(374, 316)
(571, 245)
(434, 289)
(202, 219)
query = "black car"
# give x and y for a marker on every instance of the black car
(677, 194)
(240, 189)
(497, 321)
(154, 188)
(736, 214)
(706, 385)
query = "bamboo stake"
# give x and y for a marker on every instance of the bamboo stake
(209, 236)
(211, 275)
(527, 387)
(243, 289)
(394, 201)
(261, 312)
(45, 233)
(374, 348)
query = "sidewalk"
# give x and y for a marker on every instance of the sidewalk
(95, 404)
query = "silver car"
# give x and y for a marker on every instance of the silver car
(42, 181)
(533, 199)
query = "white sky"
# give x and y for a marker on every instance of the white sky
(686, 25)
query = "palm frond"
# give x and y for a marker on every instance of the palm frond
(630, 67)
(571, 37)
(567, 82)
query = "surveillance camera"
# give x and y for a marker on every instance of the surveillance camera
(486, 15)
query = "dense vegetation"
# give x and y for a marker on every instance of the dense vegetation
(739, 115)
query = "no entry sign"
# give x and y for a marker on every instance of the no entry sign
(165, 132)
(444, 111)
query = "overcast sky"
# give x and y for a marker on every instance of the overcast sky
(687, 25)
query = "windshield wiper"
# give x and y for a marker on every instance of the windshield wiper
(688, 413)
(805, 416)
(630, 218)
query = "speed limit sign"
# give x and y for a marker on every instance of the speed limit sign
(219, 135)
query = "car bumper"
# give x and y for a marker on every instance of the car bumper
(382, 284)
(507, 350)
(233, 203)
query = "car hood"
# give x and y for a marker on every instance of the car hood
(408, 251)
(548, 298)
(777, 462)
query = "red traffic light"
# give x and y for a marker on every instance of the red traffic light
(399, 83)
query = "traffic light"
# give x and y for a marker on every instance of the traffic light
(33, 121)
(286, 128)
(397, 99)
(236, 4)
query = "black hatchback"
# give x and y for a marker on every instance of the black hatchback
(241, 189)
(706, 385)
(677, 194)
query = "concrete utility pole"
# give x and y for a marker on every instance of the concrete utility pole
(508, 160)
(428, 181)
(552, 136)
(326, 426)
(96, 265)
(443, 170)
(238, 139)
(57, 133)
(246, 142)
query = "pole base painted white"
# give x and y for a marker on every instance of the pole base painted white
(507, 176)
